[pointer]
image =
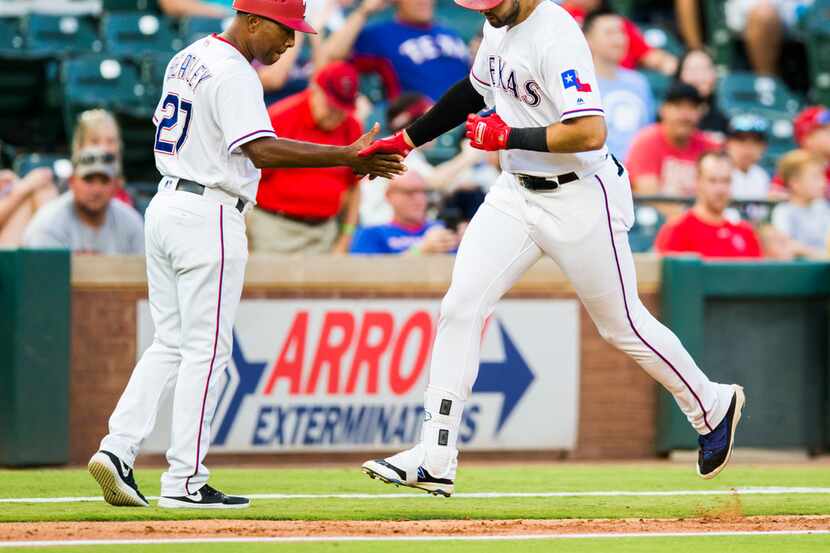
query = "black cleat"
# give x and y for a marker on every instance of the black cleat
(716, 446)
(116, 480)
(205, 498)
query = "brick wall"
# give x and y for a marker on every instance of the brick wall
(618, 400)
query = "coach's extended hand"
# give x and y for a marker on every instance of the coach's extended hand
(374, 161)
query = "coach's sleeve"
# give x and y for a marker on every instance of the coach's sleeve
(240, 110)
(567, 71)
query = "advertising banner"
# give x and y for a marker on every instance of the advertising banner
(349, 375)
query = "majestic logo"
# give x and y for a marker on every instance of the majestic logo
(570, 79)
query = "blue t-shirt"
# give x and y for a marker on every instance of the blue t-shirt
(425, 59)
(629, 107)
(388, 238)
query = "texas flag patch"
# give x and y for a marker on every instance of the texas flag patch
(570, 79)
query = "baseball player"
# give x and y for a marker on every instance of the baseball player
(212, 137)
(560, 194)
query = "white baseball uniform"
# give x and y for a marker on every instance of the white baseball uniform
(536, 74)
(211, 104)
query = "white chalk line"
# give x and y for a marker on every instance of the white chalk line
(475, 495)
(501, 537)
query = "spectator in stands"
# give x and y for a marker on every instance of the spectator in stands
(697, 68)
(84, 219)
(196, 8)
(762, 24)
(446, 177)
(704, 229)
(297, 209)
(638, 53)
(410, 52)
(746, 142)
(626, 94)
(410, 232)
(663, 156)
(812, 133)
(97, 128)
(20, 199)
(806, 216)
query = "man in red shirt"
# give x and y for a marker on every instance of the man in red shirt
(639, 53)
(704, 229)
(662, 159)
(297, 209)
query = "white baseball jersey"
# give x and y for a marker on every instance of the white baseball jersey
(536, 74)
(211, 104)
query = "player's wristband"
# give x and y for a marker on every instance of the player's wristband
(534, 139)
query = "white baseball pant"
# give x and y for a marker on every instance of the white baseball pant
(583, 226)
(196, 255)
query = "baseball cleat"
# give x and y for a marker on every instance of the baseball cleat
(393, 471)
(205, 498)
(116, 480)
(716, 446)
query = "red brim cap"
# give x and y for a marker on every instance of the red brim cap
(478, 5)
(297, 24)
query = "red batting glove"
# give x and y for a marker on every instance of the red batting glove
(395, 144)
(487, 132)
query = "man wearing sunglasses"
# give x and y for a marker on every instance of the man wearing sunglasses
(85, 219)
(213, 135)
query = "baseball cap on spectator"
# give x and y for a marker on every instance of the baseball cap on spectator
(682, 92)
(405, 109)
(339, 81)
(747, 124)
(95, 161)
(810, 119)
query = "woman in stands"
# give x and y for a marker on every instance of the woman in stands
(697, 68)
(98, 127)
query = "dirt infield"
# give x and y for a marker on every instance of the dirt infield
(68, 531)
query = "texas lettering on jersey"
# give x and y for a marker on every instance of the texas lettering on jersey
(504, 78)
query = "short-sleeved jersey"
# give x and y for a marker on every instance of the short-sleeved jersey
(535, 74)
(211, 104)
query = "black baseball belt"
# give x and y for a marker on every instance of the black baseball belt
(552, 183)
(195, 188)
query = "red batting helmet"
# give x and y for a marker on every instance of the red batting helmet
(290, 13)
(478, 5)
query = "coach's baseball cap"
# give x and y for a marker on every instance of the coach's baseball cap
(748, 124)
(810, 119)
(339, 80)
(95, 161)
(680, 91)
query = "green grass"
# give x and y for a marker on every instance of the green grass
(737, 544)
(532, 478)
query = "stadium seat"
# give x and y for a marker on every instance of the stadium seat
(194, 28)
(446, 146)
(60, 165)
(151, 6)
(142, 193)
(659, 37)
(12, 43)
(742, 91)
(137, 135)
(59, 35)
(102, 81)
(647, 221)
(138, 34)
(817, 37)
(719, 37)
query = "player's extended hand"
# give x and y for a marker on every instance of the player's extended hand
(487, 131)
(395, 144)
(377, 163)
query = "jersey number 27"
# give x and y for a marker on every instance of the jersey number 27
(166, 127)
